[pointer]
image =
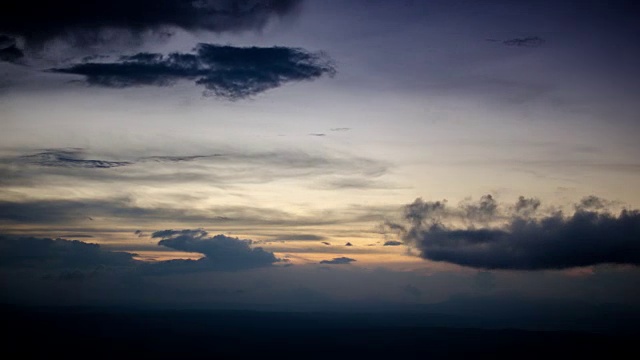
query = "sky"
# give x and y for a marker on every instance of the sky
(239, 153)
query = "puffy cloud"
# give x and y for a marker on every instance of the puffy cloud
(523, 241)
(220, 252)
(224, 71)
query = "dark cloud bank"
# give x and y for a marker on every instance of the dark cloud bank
(80, 21)
(224, 71)
(513, 237)
(221, 253)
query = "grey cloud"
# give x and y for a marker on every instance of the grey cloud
(317, 134)
(81, 21)
(393, 243)
(340, 129)
(69, 158)
(484, 210)
(555, 241)
(228, 72)
(338, 261)
(71, 211)
(299, 237)
(32, 252)
(592, 202)
(210, 168)
(74, 214)
(220, 252)
(526, 206)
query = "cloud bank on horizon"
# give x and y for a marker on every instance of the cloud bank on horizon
(515, 237)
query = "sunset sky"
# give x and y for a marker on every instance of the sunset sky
(286, 152)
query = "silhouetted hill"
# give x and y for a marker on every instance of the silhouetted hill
(85, 332)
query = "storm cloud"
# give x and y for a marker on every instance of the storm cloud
(220, 252)
(228, 72)
(81, 21)
(554, 241)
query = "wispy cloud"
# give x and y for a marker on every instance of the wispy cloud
(69, 158)
(530, 41)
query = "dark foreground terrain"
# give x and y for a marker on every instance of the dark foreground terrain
(89, 333)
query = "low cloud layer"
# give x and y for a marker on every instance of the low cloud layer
(220, 252)
(82, 21)
(33, 252)
(224, 71)
(513, 237)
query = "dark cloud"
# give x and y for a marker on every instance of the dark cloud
(9, 50)
(300, 237)
(220, 252)
(224, 71)
(326, 243)
(69, 158)
(338, 261)
(32, 252)
(555, 241)
(81, 21)
(592, 202)
(317, 134)
(526, 206)
(393, 243)
(531, 41)
(484, 210)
